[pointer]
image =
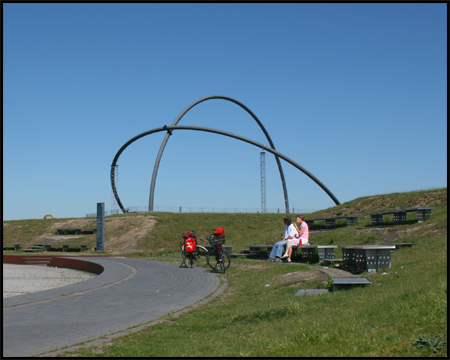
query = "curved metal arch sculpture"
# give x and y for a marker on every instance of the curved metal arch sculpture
(176, 121)
(216, 131)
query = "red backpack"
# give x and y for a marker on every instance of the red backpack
(190, 243)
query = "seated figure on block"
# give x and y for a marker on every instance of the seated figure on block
(290, 232)
(301, 239)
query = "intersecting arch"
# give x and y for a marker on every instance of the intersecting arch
(176, 121)
(169, 129)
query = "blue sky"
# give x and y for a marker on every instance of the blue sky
(355, 93)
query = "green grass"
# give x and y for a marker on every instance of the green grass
(402, 314)
(252, 319)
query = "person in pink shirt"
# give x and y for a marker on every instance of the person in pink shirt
(301, 239)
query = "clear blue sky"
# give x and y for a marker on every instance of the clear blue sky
(355, 93)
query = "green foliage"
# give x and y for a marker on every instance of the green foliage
(432, 343)
(329, 284)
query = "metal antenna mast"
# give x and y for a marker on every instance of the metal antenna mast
(262, 157)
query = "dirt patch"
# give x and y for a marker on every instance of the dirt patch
(292, 277)
(74, 224)
(251, 266)
(50, 237)
(57, 239)
(298, 276)
(128, 232)
(303, 275)
(127, 242)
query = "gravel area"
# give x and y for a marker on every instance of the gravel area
(26, 279)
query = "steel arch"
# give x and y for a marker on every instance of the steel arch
(216, 131)
(166, 138)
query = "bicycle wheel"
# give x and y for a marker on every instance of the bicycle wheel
(226, 260)
(222, 261)
(201, 256)
(221, 264)
(213, 259)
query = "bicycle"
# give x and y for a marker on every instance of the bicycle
(191, 253)
(217, 239)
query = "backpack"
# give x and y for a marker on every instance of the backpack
(190, 243)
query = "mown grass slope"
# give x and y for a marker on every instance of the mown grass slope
(152, 234)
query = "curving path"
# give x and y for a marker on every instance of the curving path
(127, 293)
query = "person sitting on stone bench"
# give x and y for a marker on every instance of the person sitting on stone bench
(301, 239)
(290, 232)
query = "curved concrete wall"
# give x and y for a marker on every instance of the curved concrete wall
(58, 261)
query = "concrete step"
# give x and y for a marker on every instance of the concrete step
(347, 283)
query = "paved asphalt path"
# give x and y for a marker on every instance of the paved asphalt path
(129, 292)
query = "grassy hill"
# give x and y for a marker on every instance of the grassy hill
(145, 234)
(403, 313)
